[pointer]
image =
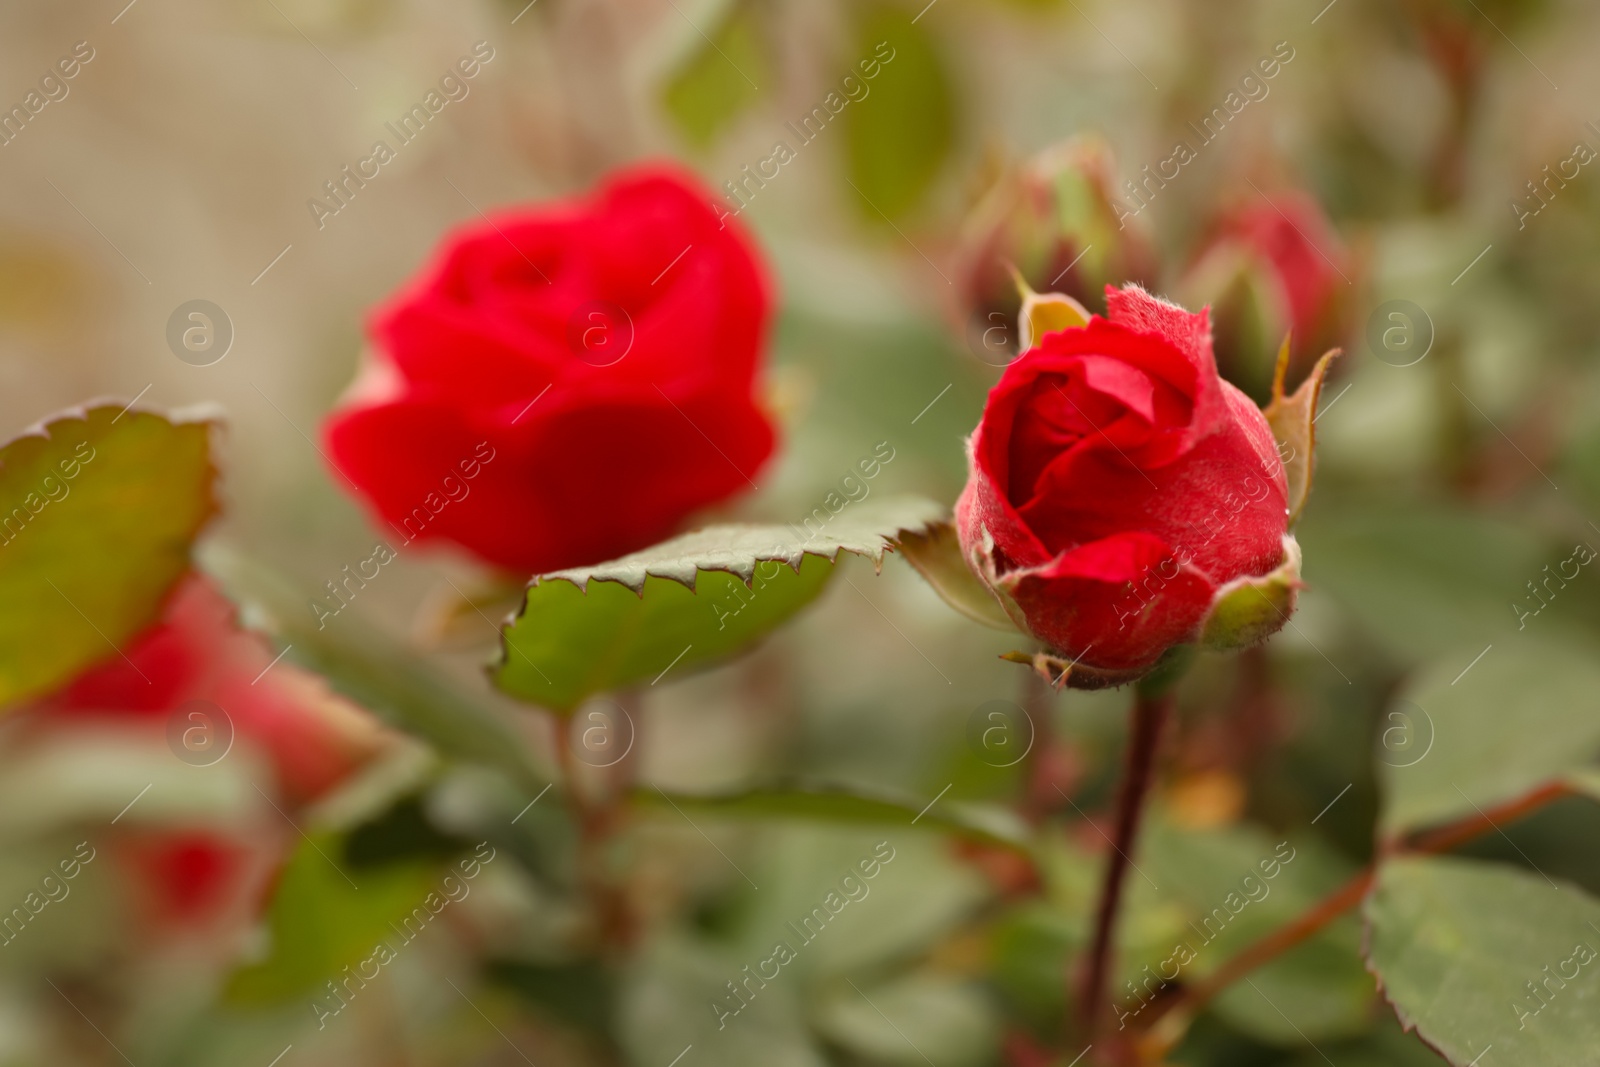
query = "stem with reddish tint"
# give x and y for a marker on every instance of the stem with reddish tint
(1183, 1006)
(1151, 710)
(1040, 797)
(1189, 1002)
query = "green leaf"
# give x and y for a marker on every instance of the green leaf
(1474, 955)
(1228, 887)
(1525, 714)
(1316, 991)
(989, 824)
(1384, 1045)
(684, 604)
(898, 136)
(921, 893)
(666, 1002)
(98, 508)
(936, 555)
(1029, 947)
(719, 77)
(324, 918)
(891, 1023)
(379, 673)
(1424, 580)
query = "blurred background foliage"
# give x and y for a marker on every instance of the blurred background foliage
(223, 908)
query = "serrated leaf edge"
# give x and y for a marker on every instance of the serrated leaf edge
(688, 575)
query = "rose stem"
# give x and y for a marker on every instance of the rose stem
(596, 819)
(1041, 766)
(1186, 1004)
(621, 925)
(1180, 1008)
(1152, 708)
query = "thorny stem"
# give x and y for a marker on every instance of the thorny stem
(1181, 1009)
(1151, 710)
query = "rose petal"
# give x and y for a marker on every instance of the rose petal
(1117, 603)
(568, 484)
(1222, 507)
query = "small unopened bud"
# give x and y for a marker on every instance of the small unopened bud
(1270, 269)
(1055, 221)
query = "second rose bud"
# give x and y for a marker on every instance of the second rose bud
(1054, 219)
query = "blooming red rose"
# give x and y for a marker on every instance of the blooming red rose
(564, 385)
(1266, 270)
(1118, 489)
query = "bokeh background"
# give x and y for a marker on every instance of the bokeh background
(178, 167)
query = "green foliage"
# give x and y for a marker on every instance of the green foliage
(1466, 952)
(1522, 716)
(98, 508)
(1217, 882)
(665, 1005)
(720, 76)
(1029, 948)
(1386, 1046)
(915, 895)
(892, 1022)
(898, 137)
(324, 918)
(381, 674)
(579, 994)
(399, 834)
(685, 603)
(1424, 580)
(847, 361)
(988, 824)
(1317, 991)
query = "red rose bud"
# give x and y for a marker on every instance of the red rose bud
(1055, 221)
(1269, 270)
(566, 384)
(1123, 499)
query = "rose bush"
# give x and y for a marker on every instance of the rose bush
(1119, 491)
(196, 652)
(603, 352)
(311, 740)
